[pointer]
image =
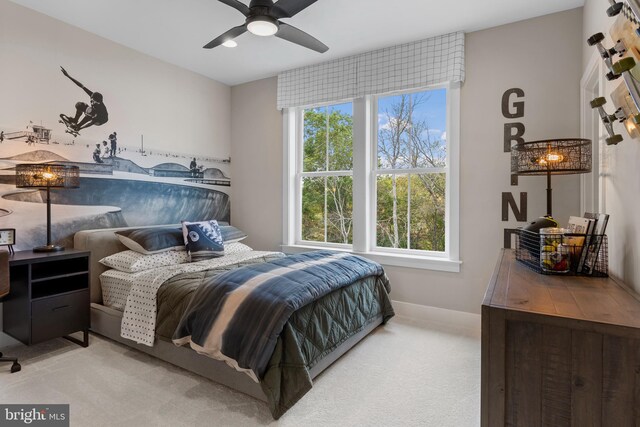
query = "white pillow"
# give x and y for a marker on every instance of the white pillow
(235, 248)
(132, 262)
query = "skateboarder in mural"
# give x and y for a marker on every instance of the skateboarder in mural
(193, 166)
(106, 151)
(96, 154)
(113, 139)
(95, 114)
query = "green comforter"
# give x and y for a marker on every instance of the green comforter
(311, 333)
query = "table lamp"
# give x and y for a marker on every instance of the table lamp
(551, 157)
(47, 176)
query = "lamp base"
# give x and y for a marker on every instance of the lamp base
(48, 248)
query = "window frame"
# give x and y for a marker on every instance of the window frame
(364, 175)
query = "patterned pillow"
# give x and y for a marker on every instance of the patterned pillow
(133, 262)
(202, 239)
(152, 240)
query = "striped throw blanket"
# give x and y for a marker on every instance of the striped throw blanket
(237, 316)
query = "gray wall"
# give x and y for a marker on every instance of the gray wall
(621, 176)
(542, 56)
(256, 154)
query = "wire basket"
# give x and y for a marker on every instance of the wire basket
(587, 255)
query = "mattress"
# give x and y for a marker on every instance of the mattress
(116, 286)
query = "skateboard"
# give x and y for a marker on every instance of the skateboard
(625, 31)
(607, 54)
(630, 10)
(609, 119)
(628, 100)
(65, 120)
(626, 96)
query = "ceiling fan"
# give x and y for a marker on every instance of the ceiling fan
(263, 19)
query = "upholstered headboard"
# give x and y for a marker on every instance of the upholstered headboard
(102, 242)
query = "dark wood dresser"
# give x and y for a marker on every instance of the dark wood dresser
(559, 350)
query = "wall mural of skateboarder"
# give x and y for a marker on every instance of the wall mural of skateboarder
(94, 114)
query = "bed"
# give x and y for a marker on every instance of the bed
(303, 350)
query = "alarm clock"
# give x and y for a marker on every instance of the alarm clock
(8, 238)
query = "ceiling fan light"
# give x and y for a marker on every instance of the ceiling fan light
(262, 26)
(230, 43)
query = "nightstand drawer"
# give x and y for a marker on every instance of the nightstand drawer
(61, 315)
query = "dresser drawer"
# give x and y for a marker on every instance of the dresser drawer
(60, 315)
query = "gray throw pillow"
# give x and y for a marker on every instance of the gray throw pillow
(230, 234)
(152, 240)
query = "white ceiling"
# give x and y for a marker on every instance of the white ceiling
(176, 30)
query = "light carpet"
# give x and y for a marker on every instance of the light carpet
(407, 373)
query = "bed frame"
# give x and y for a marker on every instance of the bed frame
(106, 322)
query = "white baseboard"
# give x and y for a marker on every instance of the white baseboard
(425, 313)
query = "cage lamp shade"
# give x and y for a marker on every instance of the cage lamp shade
(48, 176)
(552, 157)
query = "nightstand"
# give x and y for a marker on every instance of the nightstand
(49, 296)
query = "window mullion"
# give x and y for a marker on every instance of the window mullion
(411, 157)
(325, 208)
(409, 211)
(362, 113)
(329, 173)
(326, 168)
(418, 171)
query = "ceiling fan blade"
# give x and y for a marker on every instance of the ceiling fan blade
(288, 8)
(243, 8)
(229, 35)
(294, 35)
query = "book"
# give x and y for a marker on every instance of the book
(578, 225)
(592, 248)
(578, 228)
(581, 254)
(593, 217)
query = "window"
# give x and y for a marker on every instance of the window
(377, 176)
(411, 171)
(326, 177)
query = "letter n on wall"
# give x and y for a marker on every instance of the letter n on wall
(508, 201)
